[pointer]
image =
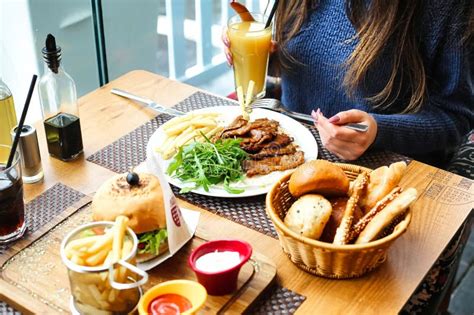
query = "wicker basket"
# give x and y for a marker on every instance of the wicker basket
(325, 259)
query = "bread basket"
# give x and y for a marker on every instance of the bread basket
(326, 259)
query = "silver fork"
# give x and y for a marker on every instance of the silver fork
(277, 106)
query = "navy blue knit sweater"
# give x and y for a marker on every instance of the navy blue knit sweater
(323, 45)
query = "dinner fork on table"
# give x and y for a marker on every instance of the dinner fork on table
(277, 106)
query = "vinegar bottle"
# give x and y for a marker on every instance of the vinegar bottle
(58, 99)
(7, 118)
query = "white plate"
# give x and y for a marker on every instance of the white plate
(256, 185)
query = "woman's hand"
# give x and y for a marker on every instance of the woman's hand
(347, 144)
(228, 54)
(226, 41)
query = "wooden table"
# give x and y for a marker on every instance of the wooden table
(445, 202)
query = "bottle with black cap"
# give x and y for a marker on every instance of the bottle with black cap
(58, 99)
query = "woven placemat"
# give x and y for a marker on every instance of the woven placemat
(130, 151)
(278, 300)
(6, 309)
(40, 211)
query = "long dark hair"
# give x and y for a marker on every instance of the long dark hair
(376, 24)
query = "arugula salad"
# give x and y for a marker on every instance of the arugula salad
(207, 163)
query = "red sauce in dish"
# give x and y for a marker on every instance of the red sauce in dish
(169, 304)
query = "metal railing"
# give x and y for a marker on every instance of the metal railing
(202, 31)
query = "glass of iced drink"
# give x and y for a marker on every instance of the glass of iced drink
(12, 208)
(250, 45)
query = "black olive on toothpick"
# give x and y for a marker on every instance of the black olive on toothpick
(133, 179)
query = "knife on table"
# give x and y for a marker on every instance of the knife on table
(148, 102)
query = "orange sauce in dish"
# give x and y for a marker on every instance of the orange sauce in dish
(169, 304)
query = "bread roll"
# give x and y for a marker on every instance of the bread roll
(308, 215)
(143, 203)
(338, 207)
(387, 215)
(381, 181)
(319, 177)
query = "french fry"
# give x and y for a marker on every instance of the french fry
(73, 252)
(213, 131)
(95, 293)
(249, 96)
(169, 153)
(240, 97)
(177, 120)
(82, 242)
(77, 260)
(86, 296)
(104, 241)
(127, 248)
(178, 128)
(166, 144)
(203, 122)
(119, 233)
(88, 278)
(187, 135)
(181, 130)
(97, 258)
(112, 295)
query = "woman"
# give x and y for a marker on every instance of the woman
(401, 67)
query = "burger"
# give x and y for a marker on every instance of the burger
(139, 197)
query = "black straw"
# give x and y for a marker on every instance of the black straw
(272, 13)
(22, 121)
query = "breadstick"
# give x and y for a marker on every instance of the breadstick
(344, 229)
(362, 223)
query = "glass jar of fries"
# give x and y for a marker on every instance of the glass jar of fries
(100, 258)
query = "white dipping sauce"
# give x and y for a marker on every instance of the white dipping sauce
(218, 261)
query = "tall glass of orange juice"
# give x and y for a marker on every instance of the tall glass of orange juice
(250, 45)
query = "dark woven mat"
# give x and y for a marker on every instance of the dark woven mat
(130, 150)
(278, 300)
(6, 309)
(40, 211)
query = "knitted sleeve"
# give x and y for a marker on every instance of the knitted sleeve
(448, 113)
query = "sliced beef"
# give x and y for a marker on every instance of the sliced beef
(238, 122)
(242, 131)
(270, 164)
(269, 151)
(279, 141)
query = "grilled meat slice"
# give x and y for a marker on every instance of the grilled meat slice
(270, 164)
(240, 132)
(280, 140)
(238, 122)
(257, 138)
(269, 151)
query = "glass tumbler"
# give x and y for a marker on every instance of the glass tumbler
(250, 46)
(12, 208)
(113, 288)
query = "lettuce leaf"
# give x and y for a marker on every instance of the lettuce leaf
(152, 241)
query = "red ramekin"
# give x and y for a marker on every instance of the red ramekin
(225, 281)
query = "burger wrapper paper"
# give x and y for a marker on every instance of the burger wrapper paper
(181, 223)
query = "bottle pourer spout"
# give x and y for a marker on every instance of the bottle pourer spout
(51, 53)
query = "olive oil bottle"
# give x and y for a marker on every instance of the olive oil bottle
(58, 99)
(7, 117)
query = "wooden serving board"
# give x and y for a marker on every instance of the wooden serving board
(36, 274)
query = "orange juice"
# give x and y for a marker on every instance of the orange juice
(250, 45)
